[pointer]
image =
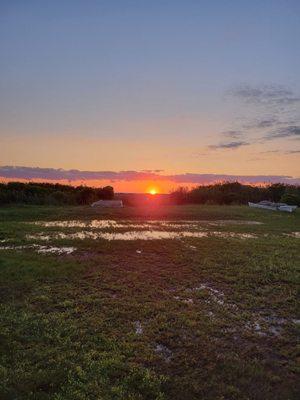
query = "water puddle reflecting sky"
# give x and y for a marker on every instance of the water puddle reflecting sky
(41, 249)
(150, 224)
(137, 235)
(137, 230)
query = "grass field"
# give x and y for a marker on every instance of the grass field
(187, 302)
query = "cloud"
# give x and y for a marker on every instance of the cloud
(269, 151)
(153, 170)
(264, 113)
(73, 174)
(292, 152)
(212, 178)
(292, 131)
(230, 145)
(280, 152)
(263, 123)
(51, 174)
(232, 134)
(265, 95)
(266, 123)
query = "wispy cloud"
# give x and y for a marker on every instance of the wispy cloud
(292, 152)
(270, 111)
(232, 134)
(230, 145)
(291, 131)
(265, 94)
(263, 123)
(52, 174)
(280, 152)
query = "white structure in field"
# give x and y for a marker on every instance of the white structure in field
(108, 203)
(269, 205)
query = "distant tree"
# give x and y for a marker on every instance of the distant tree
(54, 194)
(85, 195)
(233, 193)
(180, 196)
(276, 191)
(105, 193)
(292, 199)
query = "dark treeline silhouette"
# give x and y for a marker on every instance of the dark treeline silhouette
(51, 194)
(221, 193)
(236, 193)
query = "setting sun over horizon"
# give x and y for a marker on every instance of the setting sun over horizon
(153, 191)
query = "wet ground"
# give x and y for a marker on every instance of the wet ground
(199, 303)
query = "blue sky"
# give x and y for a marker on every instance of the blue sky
(156, 85)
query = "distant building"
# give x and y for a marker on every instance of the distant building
(108, 203)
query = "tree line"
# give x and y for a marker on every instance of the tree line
(51, 194)
(221, 193)
(236, 193)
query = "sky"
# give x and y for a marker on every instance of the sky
(141, 94)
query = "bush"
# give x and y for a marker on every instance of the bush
(52, 194)
(236, 193)
(291, 199)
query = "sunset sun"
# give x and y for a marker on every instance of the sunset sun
(153, 191)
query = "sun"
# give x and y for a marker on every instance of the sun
(153, 191)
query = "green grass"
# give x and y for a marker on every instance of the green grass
(68, 322)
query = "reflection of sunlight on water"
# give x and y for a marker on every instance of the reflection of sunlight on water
(138, 230)
(294, 234)
(103, 224)
(42, 249)
(106, 224)
(78, 224)
(137, 235)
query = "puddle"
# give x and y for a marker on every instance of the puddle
(148, 224)
(216, 295)
(185, 301)
(269, 325)
(56, 250)
(137, 235)
(138, 328)
(232, 222)
(164, 351)
(294, 234)
(42, 249)
(188, 301)
(226, 235)
(107, 224)
(144, 230)
(78, 224)
(261, 329)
